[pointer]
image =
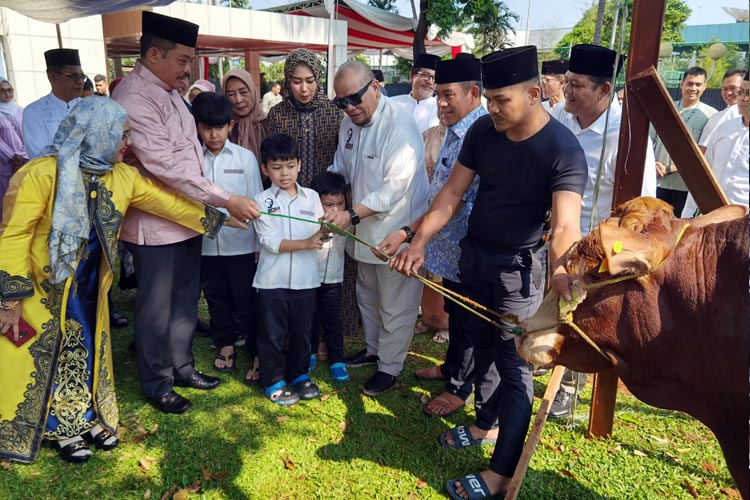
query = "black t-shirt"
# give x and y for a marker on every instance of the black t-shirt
(517, 181)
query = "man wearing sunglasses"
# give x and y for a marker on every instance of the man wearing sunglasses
(381, 154)
(42, 117)
(420, 102)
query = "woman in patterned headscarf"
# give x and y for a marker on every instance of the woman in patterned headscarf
(58, 243)
(249, 118)
(12, 152)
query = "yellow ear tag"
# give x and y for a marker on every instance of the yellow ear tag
(603, 267)
(617, 247)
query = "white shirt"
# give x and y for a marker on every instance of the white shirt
(384, 163)
(727, 152)
(41, 119)
(557, 109)
(331, 259)
(424, 111)
(717, 119)
(590, 139)
(236, 170)
(289, 270)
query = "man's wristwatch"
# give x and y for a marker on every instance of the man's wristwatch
(354, 217)
(409, 233)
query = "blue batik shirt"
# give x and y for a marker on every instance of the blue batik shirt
(442, 251)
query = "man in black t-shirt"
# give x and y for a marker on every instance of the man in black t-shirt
(528, 165)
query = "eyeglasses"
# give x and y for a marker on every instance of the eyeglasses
(742, 93)
(6, 91)
(126, 135)
(353, 99)
(73, 76)
(425, 76)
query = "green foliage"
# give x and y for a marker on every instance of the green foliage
(274, 71)
(213, 69)
(237, 4)
(403, 66)
(676, 14)
(387, 5)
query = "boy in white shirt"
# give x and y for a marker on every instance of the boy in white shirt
(332, 190)
(228, 262)
(287, 275)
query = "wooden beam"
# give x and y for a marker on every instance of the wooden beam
(603, 402)
(653, 98)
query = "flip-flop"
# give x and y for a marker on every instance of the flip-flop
(250, 381)
(462, 438)
(226, 369)
(474, 485)
(431, 373)
(445, 400)
(441, 337)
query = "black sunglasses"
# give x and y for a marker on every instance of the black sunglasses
(353, 99)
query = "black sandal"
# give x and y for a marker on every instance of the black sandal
(225, 369)
(101, 438)
(68, 452)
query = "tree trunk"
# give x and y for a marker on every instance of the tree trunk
(599, 22)
(421, 32)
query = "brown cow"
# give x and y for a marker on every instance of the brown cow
(678, 332)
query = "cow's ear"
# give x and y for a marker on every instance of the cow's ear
(628, 252)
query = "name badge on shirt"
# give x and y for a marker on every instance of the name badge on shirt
(269, 206)
(233, 171)
(307, 212)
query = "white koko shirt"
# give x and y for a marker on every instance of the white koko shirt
(424, 112)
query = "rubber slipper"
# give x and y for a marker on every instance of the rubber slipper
(431, 373)
(462, 438)
(225, 369)
(474, 486)
(441, 337)
(446, 399)
(252, 381)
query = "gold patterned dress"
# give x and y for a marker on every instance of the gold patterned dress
(60, 383)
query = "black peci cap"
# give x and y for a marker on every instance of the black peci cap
(463, 69)
(593, 60)
(170, 28)
(554, 67)
(62, 57)
(509, 67)
(425, 61)
(378, 75)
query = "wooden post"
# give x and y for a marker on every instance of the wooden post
(536, 433)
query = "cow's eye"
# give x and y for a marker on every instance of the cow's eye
(595, 277)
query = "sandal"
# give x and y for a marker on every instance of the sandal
(103, 440)
(76, 452)
(462, 438)
(226, 359)
(474, 486)
(450, 402)
(431, 373)
(252, 377)
(441, 337)
(421, 328)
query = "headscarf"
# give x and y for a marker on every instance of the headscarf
(9, 108)
(250, 129)
(86, 142)
(203, 86)
(309, 59)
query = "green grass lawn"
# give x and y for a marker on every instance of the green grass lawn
(235, 444)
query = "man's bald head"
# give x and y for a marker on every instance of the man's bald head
(354, 72)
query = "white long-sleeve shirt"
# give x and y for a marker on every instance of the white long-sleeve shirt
(424, 112)
(290, 270)
(41, 119)
(236, 170)
(591, 141)
(384, 163)
(726, 114)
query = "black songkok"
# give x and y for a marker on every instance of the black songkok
(462, 69)
(62, 57)
(556, 67)
(593, 60)
(509, 67)
(170, 28)
(425, 61)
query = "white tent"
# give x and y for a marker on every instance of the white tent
(60, 11)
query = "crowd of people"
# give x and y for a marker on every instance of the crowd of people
(252, 201)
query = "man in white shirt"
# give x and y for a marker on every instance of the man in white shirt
(588, 94)
(42, 117)
(553, 78)
(728, 153)
(381, 154)
(730, 86)
(420, 102)
(272, 97)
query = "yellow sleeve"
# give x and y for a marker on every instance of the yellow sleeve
(149, 197)
(24, 205)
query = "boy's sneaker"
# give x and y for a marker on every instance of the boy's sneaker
(305, 387)
(280, 394)
(361, 359)
(313, 363)
(339, 372)
(379, 383)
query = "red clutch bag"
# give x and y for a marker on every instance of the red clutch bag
(25, 333)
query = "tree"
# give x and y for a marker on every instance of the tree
(237, 4)
(599, 21)
(676, 13)
(387, 5)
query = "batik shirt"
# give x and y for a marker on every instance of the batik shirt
(442, 251)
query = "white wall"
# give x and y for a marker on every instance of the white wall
(26, 40)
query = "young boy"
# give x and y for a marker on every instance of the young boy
(287, 275)
(332, 189)
(228, 262)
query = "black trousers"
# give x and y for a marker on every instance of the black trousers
(509, 283)
(458, 368)
(674, 197)
(285, 318)
(166, 309)
(227, 283)
(327, 320)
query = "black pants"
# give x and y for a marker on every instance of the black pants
(284, 315)
(327, 320)
(509, 284)
(458, 368)
(227, 283)
(166, 309)
(675, 198)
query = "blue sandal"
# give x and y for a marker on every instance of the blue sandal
(474, 486)
(462, 438)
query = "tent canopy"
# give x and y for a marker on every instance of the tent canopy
(60, 11)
